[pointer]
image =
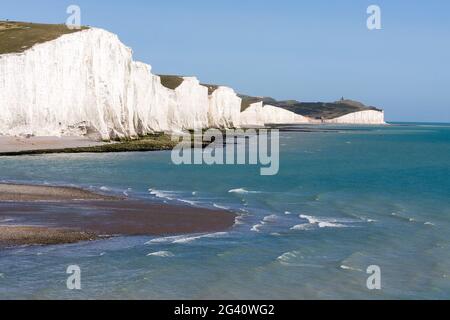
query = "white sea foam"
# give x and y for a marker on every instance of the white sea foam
(170, 239)
(161, 194)
(171, 196)
(192, 238)
(103, 188)
(287, 256)
(238, 220)
(220, 207)
(257, 227)
(402, 217)
(330, 225)
(185, 238)
(323, 222)
(272, 218)
(429, 224)
(344, 267)
(242, 191)
(304, 226)
(125, 192)
(162, 254)
(287, 212)
(192, 203)
(310, 219)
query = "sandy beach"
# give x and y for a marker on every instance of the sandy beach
(20, 144)
(18, 192)
(41, 215)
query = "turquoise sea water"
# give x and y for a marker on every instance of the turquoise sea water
(342, 201)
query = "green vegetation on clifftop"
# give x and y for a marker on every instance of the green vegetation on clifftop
(315, 110)
(324, 110)
(170, 81)
(247, 101)
(16, 37)
(211, 88)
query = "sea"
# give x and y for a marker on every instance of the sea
(347, 200)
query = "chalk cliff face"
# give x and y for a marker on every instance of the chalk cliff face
(259, 115)
(224, 108)
(68, 85)
(253, 116)
(362, 117)
(87, 83)
(275, 115)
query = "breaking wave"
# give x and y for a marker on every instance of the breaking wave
(221, 207)
(345, 267)
(304, 226)
(242, 191)
(171, 196)
(185, 238)
(162, 254)
(323, 223)
(288, 256)
(192, 203)
(271, 218)
(257, 227)
(162, 194)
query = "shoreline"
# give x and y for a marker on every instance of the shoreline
(11, 146)
(44, 215)
(17, 193)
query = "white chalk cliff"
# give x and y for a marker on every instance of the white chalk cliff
(259, 115)
(87, 83)
(360, 117)
(224, 108)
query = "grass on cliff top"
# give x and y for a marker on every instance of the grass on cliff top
(171, 81)
(247, 101)
(16, 37)
(315, 110)
(324, 110)
(211, 88)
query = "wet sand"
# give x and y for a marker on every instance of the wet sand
(22, 235)
(18, 192)
(72, 218)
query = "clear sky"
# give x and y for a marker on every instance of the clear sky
(317, 50)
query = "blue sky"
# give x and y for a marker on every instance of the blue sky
(317, 50)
